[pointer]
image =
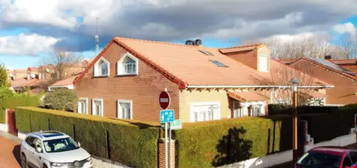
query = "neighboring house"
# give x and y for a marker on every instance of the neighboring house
(65, 83)
(124, 81)
(345, 90)
(349, 64)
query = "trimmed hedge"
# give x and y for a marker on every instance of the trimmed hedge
(215, 143)
(131, 143)
(8, 99)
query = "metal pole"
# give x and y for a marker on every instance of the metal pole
(295, 124)
(169, 153)
(166, 149)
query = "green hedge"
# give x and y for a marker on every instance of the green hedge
(131, 143)
(8, 99)
(215, 143)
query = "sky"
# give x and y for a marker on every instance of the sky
(30, 31)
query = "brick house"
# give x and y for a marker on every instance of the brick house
(345, 90)
(124, 81)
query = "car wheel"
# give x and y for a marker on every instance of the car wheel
(23, 161)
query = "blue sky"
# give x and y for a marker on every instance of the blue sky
(30, 31)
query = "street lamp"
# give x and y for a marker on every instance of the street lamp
(295, 82)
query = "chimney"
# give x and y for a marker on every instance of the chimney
(263, 59)
(196, 42)
(328, 57)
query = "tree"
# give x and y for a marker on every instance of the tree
(3, 77)
(61, 99)
(304, 46)
(62, 62)
(349, 45)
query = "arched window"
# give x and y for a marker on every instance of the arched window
(127, 65)
(101, 68)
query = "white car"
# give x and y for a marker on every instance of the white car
(53, 150)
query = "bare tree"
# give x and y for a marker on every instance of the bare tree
(349, 45)
(62, 63)
(309, 46)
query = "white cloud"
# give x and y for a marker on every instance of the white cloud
(23, 44)
(346, 28)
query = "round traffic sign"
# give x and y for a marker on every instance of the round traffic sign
(164, 100)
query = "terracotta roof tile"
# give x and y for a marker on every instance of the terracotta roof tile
(247, 96)
(65, 82)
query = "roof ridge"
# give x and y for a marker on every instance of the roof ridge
(246, 45)
(159, 42)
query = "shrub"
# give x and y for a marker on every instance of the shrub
(131, 143)
(61, 99)
(216, 143)
(8, 99)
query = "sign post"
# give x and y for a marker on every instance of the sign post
(166, 117)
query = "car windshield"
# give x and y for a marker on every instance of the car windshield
(319, 160)
(60, 145)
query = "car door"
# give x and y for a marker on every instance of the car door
(36, 158)
(29, 149)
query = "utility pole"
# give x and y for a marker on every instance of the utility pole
(295, 121)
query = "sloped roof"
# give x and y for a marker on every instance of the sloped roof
(327, 65)
(189, 65)
(65, 82)
(247, 96)
(344, 61)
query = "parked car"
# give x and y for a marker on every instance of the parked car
(328, 157)
(52, 149)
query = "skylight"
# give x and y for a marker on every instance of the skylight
(219, 64)
(205, 52)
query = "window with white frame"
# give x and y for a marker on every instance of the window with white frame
(238, 110)
(127, 65)
(125, 109)
(205, 111)
(102, 68)
(83, 106)
(97, 107)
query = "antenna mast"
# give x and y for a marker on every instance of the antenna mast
(96, 36)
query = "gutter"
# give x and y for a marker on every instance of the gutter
(254, 86)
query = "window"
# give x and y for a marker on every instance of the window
(101, 68)
(256, 110)
(263, 63)
(83, 106)
(237, 109)
(205, 111)
(97, 107)
(218, 63)
(30, 141)
(125, 109)
(127, 65)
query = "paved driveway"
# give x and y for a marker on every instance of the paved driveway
(9, 153)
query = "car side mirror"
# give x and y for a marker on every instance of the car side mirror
(79, 144)
(38, 149)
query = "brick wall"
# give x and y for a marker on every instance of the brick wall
(162, 154)
(344, 88)
(142, 89)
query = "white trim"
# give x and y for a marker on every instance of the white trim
(216, 116)
(50, 88)
(102, 107)
(96, 68)
(255, 86)
(86, 108)
(119, 111)
(120, 65)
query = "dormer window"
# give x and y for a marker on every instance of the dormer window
(101, 68)
(127, 65)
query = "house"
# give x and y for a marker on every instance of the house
(65, 83)
(124, 81)
(345, 90)
(348, 64)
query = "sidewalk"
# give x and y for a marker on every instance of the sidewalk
(10, 150)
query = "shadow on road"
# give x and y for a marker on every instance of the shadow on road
(16, 153)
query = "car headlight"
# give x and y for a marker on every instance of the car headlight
(54, 164)
(89, 159)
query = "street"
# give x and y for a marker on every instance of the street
(10, 149)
